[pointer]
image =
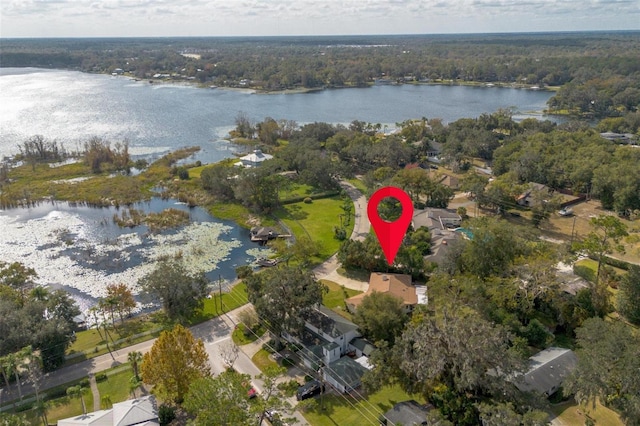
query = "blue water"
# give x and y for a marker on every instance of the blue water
(466, 232)
(71, 107)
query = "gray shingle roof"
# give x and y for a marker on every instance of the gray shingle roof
(330, 322)
(547, 370)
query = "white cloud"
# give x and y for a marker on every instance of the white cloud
(270, 17)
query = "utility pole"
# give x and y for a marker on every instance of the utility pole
(220, 292)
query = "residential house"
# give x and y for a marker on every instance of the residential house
(625, 138)
(398, 285)
(254, 159)
(344, 374)
(434, 218)
(440, 223)
(526, 198)
(326, 340)
(547, 370)
(450, 181)
(139, 412)
(406, 413)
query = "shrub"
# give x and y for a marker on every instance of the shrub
(243, 271)
(536, 333)
(84, 383)
(101, 377)
(339, 233)
(166, 414)
(307, 200)
(289, 388)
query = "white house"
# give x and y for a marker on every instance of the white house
(254, 159)
(327, 338)
(134, 412)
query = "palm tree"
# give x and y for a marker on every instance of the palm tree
(75, 392)
(40, 293)
(7, 366)
(134, 358)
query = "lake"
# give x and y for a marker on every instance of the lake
(81, 250)
(72, 106)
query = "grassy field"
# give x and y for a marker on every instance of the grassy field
(262, 361)
(570, 413)
(230, 300)
(316, 220)
(116, 387)
(335, 297)
(357, 411)
(240, 338)
(358, 184)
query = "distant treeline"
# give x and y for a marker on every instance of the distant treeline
(599, 72)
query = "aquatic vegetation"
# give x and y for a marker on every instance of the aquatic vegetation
(72, 252)
(167, 219)
(199, 244)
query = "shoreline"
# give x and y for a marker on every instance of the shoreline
(302, 90)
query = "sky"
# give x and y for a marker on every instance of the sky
(152, 18)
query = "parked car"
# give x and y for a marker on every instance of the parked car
(309, 390)
(251, 392)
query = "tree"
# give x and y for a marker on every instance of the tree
(603, 240)
(272, 398)
(381, 316)
(244, 126)
(447, 357)
(220, 400)
(217, 179)
(181, 292)
(607, 352)
(175, 360)
(257, 188)
(283, 297)
(78, 392)
(134, 358)
(504, 414)
(229, 352)
(629, 295)
(544, 203)
(16, 275)
(123, 299)
(493, 248)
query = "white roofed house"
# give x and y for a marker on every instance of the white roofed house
(254, 159)
(133, 412)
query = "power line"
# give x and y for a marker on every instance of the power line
(317, 360)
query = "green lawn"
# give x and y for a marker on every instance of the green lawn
(336, 296)
(262, 361)
(91, 344)
(297, 190)
(238, 213)
(230, 300)
(358, 184)
(573, 414)
(316, 220)
(240, 338)
(338, 410)
(63, 407)
(117, 385)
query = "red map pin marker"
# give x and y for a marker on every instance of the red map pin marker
(390, 234)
